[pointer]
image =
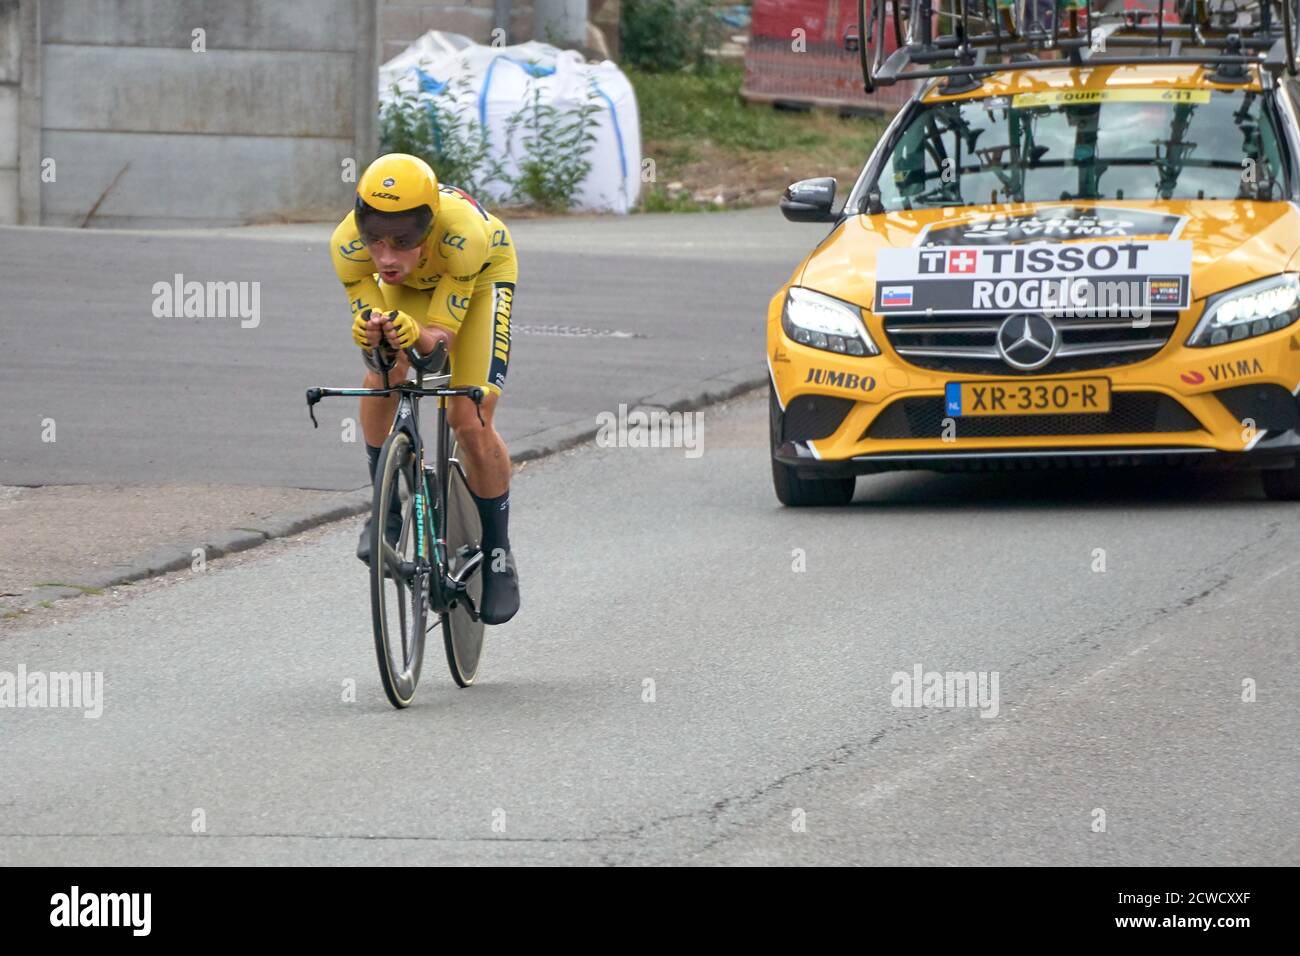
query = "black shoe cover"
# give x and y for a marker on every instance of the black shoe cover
(500, 600)
(393, 531)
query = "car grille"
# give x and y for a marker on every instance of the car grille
(968, 343)
(1269, 407)
(1130, 412)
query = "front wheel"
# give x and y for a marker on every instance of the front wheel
(399, 594)
(796, 492)
(1282, 484)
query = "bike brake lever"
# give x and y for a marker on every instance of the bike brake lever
(313, 396)
(476, 396)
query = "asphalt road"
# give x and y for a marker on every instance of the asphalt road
(771, 735)
(662, 302)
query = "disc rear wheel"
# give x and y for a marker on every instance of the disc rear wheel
(462, 631)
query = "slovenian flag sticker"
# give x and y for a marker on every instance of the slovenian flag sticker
(952, 398)
(897, 296)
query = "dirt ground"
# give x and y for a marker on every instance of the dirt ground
(732, 180)
(57, 534)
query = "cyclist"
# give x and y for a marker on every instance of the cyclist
(423, 264)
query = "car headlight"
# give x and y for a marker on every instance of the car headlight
(1248, 310)
(821, 322)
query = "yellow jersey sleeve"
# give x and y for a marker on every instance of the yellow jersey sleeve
(354, 267)
(461, 243)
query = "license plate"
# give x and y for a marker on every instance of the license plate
(1050, 396)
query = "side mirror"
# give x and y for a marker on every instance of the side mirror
(809, 200)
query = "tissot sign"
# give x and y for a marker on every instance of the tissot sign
(1047, 277)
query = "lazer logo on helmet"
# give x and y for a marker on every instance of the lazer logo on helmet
(386, 196)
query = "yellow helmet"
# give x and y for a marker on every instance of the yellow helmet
(397, 200)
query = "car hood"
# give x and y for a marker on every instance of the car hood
(1233, 242)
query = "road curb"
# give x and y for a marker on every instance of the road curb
(532, 447)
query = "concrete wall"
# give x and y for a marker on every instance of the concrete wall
(146, 130)
(10, 88)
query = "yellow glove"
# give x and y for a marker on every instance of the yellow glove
(359, 325)
(405, 327)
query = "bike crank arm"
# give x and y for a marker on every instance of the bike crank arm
(457, 585)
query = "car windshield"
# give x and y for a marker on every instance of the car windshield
(1145, 144)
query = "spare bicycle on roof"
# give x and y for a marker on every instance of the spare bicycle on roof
(965, 40)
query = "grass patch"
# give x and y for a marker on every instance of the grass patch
(658, 199)
(75, 587)
(706, 141)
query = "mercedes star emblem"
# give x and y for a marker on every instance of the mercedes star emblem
(1027, 340)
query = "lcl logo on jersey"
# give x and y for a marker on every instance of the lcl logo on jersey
(355, 246)
(456, 242)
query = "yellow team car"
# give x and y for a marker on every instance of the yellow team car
(1076, 245)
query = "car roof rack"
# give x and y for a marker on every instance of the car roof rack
(963, 41)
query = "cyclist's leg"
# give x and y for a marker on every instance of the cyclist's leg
(480, 356)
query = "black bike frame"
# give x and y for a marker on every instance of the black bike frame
(445, 590)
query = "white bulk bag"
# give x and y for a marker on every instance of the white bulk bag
(500, 81)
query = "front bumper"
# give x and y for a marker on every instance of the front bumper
(1277, 452)
(1227, 406)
